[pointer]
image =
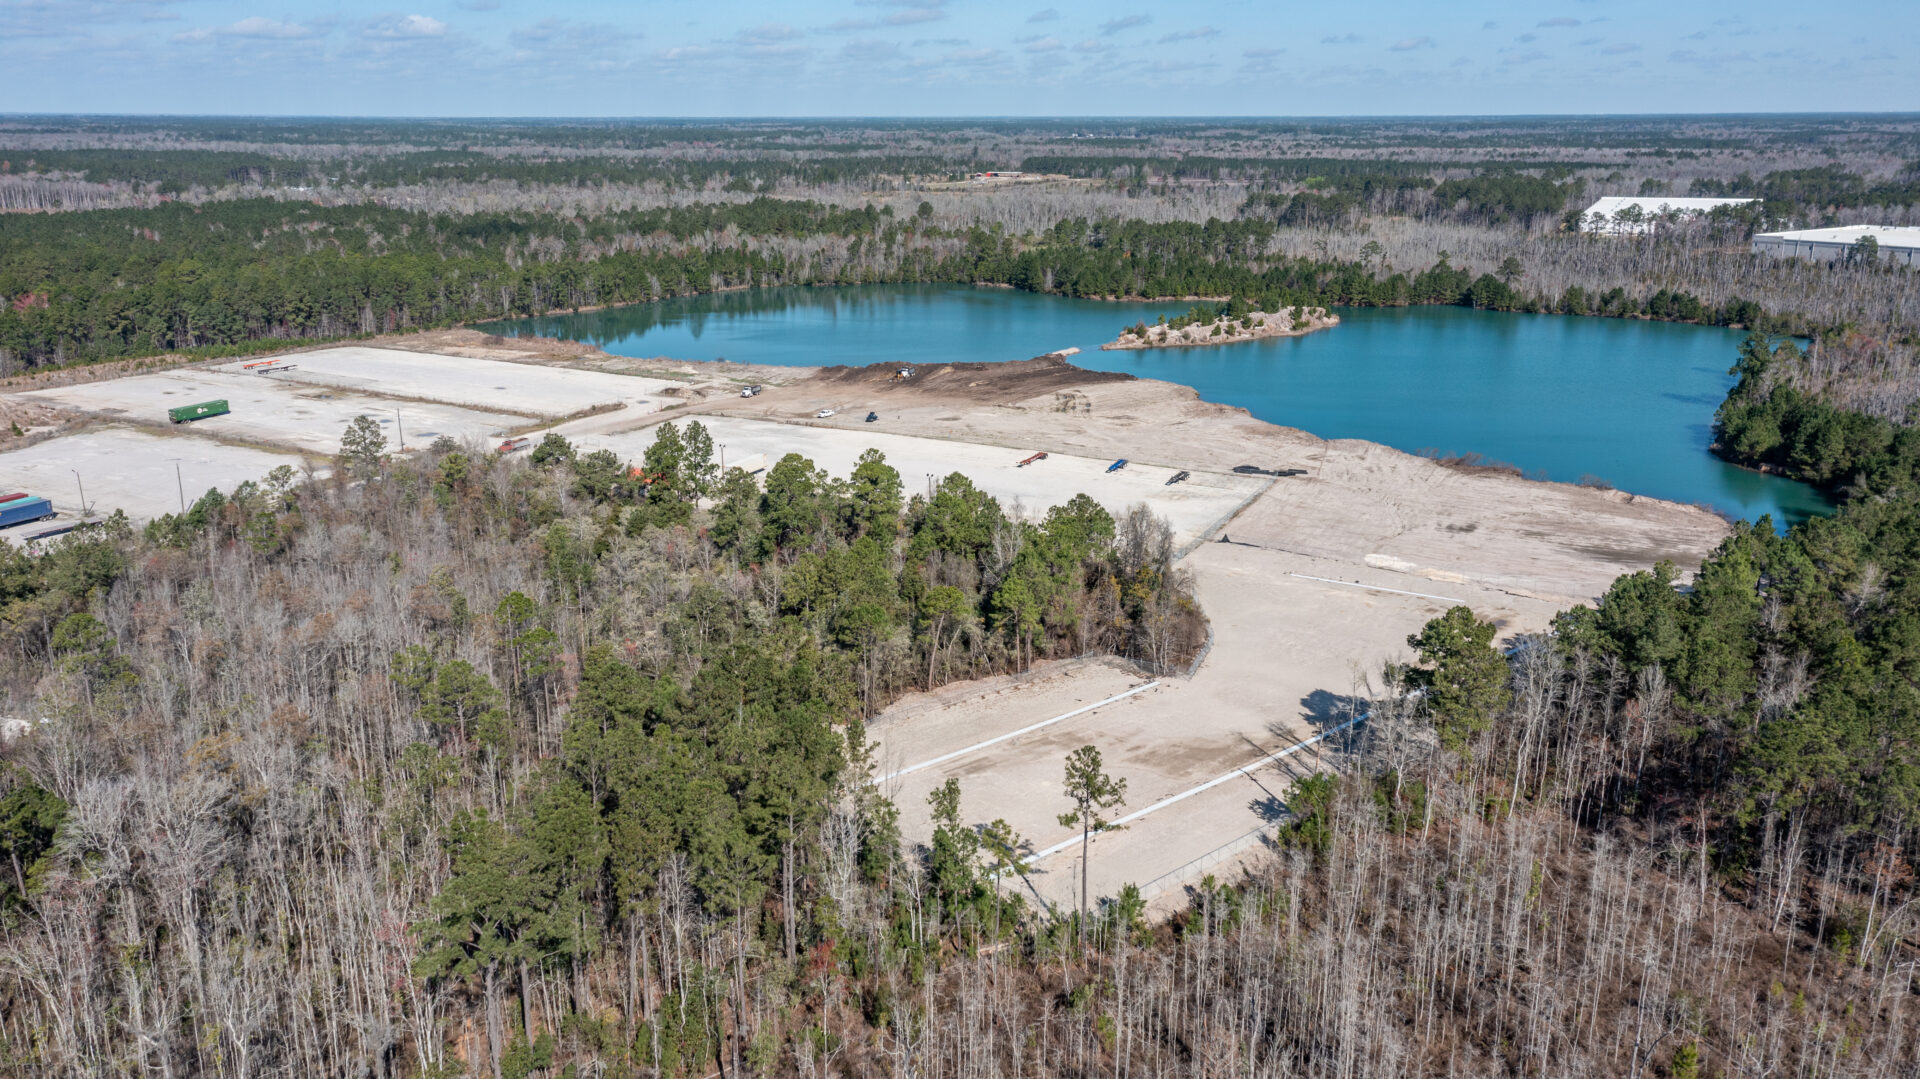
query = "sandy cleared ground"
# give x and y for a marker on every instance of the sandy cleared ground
(1321, 578)
(269, 411)
(1360, 502)
(1292, 656)
(133, 470)
(526, 389)
(1192, 506)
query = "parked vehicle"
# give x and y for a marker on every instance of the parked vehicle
(1256, 470)
(187, 413)
(872, 416)
(1177, 477)
(22, 510)
(514, 445)
(14, 497)
(750, 391)
(823, 414)
(1117, 465)
(1041, 456)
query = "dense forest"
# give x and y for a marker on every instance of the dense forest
(116, 283)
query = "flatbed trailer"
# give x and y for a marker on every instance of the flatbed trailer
(1041, 456)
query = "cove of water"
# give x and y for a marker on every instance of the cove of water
(1625, 402)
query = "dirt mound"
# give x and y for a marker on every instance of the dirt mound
(990, 383)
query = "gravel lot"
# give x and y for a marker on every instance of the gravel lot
(132, 470)
(268, 410)
(528, 389)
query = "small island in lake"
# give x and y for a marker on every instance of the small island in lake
(1228, 324)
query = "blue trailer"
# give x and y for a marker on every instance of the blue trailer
(21, 510)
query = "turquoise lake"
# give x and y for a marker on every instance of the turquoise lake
(1626, 402)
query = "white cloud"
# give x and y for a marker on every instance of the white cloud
(253, 26)
(1411, 43)
(1125, 22)
(1342, 39)
(1558, 22)
(1046, 44)
(915, 15)
(1044, 15)
(1619, 48)
(770, 33)
(404, 27)
(1189, 35)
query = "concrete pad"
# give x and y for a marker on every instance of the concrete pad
(269, 411)
(1296, 641)
(132, 470)
(531, 390)
(1192, 506)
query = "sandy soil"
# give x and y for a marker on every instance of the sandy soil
(1297, 640)
(1360, 502)
(1259, 326)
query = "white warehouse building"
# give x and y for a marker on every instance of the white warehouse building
(1646, 211)
(1898, 244)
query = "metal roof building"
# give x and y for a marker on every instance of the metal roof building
(1899, 245)
(1604, 215)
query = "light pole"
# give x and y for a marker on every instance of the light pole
(83, 490)
(400, 429)
(723, 458)
(180, 486)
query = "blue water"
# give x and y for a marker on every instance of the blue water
(1624, 402)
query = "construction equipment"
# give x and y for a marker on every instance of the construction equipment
(256, 363)
(1177, 477)
(1117, 465)
(1255, 470)
(1041, 456)
(514, 445)
(188, 413)
(823, 414)
(872, 416)
(901, 375)
(750, 391)
(21, 510)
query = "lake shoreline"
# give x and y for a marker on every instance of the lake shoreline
(1225, 330)
(1625, 400)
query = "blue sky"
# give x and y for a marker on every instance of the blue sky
(955, 57)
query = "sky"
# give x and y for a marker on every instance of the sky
(955, 57)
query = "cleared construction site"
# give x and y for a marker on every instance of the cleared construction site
(1312, 559)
